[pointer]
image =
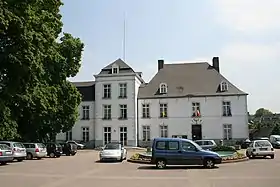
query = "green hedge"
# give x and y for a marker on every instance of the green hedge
(223, 148)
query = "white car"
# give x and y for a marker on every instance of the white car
(113, 151)
(79, 146)
(260, 148)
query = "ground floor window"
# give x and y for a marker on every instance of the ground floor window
(123, 136)
(227, 131)
(85, 134)
(107, 138)
(146, 133)
(163, 131)
(68, 135)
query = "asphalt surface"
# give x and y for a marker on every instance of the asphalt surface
(83, 170)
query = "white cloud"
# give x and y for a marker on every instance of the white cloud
(250, 16)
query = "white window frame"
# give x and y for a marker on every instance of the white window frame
(123, 90)
(226, 109)
(85, 134)
(113, 70)
(123, 111)
(163, 88)
(69, 135)
(163, 133)
(123, 132)
(195, 108)
(107, 112)
(224, 86)
(146, 111)
(107, 131)
(227, 131)
(85, 112)
(163, 108)
(107, 91)
(146, 133)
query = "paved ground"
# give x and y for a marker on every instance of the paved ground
(82, 170)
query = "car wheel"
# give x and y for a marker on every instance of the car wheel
(272, 156)
(209, 163)
(161, 164)
(52, 155)
(39, 158)
(29, 156)
(3, 163)
(20, 160)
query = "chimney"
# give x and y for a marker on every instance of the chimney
(160, 64)
(215, 64)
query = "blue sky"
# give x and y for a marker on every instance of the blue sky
(244, 34)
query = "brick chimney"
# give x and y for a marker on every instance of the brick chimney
(215, 64)
(160, 64)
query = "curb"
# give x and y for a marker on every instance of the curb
(139, 161)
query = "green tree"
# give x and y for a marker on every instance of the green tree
(34, 67)
(262, 112)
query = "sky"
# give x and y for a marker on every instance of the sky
(245, 35)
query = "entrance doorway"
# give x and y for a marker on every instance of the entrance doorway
(123, 136)
(196, 132)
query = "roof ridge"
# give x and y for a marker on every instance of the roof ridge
(187, 63)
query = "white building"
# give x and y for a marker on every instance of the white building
(190, 100)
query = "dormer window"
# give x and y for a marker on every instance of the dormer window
(163, 88)
(115, 70)
(224, 86)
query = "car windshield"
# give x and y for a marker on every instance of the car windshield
(112, 146)
(4, 147)
(197, 146)
(20, 145)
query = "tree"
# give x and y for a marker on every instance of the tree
(262, 112)
(34, 67)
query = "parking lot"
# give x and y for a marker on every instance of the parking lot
(83, 170)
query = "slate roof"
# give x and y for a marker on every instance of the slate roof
(87, 90)
(123, 67)
(187, 79)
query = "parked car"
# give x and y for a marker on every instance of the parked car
(206, 144)
(79, 145)
(275, 141)
(18, 149)
(6, 154)
(53, 149)
(176, 151)
(260, 148)
(35, 150)
(260, 138)
(113, 151)
(68, 149)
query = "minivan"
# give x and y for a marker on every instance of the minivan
(177, 151)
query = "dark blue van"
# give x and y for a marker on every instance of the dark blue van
(177, 151)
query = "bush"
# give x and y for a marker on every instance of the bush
(223, 148)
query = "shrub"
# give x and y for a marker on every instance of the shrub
(223, 148)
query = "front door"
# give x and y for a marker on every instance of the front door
(196, 132)
(123, 136)
(190, 155)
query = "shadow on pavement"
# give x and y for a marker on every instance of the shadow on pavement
(173, 167)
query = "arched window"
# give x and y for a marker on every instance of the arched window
(224, 86)
(163, 88)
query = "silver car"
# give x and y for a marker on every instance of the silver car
(206, 144)
(6, 154)
(35, 150)
(113, 151)
(18, 149)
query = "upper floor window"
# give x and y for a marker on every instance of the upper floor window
(123, 90)
(106, 91)
(145, 110)
(196, 109)
(115, 70)
(123, 112)
(224, 86)
(85, 114)
(227, 108)
(163, 88)
(107, 112)
(163, 110)
(146, 133)
(227, 131)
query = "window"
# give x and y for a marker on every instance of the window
(123, 112)
(264, 143)
(187, 146)
(123, 90)
(107, 135)
(106, 91)
(163, 110)
(107, 112)
(115, 70)
(174, 145)
(145, 110)
(164, 131)
(161, 145)
(226, 108)
(195, 109)
(85, 113)
(163, 88)
(85, 131)
(68, 135)
(227, 131)
(224, 86)
(146, 133)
